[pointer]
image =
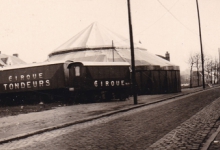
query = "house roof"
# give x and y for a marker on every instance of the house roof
(4, 60)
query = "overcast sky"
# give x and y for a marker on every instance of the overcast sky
(34, 28)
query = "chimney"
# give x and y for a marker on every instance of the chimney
(16, 55)
(167, 56)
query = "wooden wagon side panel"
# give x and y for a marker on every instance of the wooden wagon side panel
(155, 82)
(163, 82)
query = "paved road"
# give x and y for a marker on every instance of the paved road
(14, 126)
(136, 129)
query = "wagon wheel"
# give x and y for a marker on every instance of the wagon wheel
(108, 96)
(76, 98)
(122, 97)
(94, 97)
(83, 98)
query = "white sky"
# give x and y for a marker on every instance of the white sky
(34, 28)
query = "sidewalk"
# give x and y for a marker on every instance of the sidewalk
(15, 127)
(194, 133)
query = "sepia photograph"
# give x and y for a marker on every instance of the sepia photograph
(109, 75)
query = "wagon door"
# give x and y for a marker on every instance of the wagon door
(75, 75)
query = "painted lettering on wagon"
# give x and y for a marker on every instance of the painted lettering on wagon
(109, 83)
(23, 81)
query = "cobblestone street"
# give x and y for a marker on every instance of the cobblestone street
(178, 124)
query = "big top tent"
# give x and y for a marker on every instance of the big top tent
(96, 43)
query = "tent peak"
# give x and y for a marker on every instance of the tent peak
(94, 35)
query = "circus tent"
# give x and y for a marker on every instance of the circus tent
(96, 43)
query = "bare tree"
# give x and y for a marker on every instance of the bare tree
(215, 70)
(191, 62)
(197, 61)
(208, 67)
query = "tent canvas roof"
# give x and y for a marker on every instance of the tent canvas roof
(95, 35)
(94, 44)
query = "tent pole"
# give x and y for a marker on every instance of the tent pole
(134, 85)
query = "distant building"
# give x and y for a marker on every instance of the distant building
(167, 56)
(209, 79)
(195, 79)
(7, 60)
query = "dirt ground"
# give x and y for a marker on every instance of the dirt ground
(23, 109)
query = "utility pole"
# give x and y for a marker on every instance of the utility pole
(132, 56)
(202, 57)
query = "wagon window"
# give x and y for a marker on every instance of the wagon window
(77, 71)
